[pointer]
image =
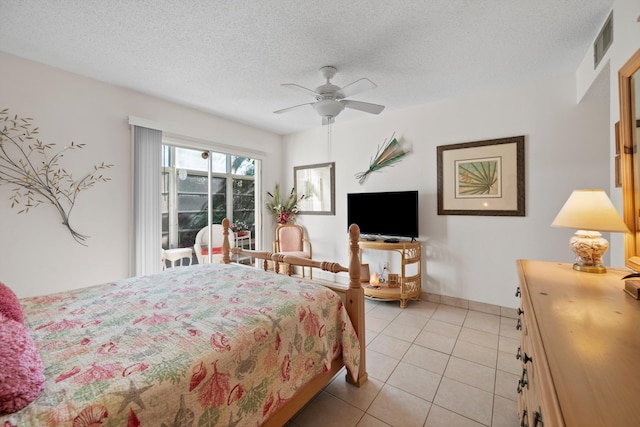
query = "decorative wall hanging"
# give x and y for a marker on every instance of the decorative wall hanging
(29, 165)
(317, 183)
(389, 154)
(482, 178)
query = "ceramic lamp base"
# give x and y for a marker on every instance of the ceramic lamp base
(589, 246)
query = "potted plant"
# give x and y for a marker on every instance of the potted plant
(239, 227)
(283, 210)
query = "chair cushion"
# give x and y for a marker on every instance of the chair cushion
(290, 239)
(22, 374)
(9, 304)
(214, 251)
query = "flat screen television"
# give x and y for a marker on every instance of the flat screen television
(392, 213)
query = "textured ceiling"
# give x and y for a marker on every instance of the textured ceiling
(230, 57)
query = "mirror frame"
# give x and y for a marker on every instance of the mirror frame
(629, 161)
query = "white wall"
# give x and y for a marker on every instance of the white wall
(471, 257)
(37, 254)
(626, 41)
(569, 145)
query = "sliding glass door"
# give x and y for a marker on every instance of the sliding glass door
(186, 175)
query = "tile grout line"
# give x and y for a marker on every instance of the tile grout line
(430, 316)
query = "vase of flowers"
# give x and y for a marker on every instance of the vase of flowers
(283, 210)
(239, 227)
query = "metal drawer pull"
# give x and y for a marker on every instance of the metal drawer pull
(537, 418)
(524, 421)
(518, 291)
(519, 325)
(523, 381)
(523, 355)
(520, 311)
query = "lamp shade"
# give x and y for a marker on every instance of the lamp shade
(590, 210)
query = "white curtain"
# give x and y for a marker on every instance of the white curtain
(147, 200)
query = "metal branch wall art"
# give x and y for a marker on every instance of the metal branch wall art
(390, 153)
(29, 165)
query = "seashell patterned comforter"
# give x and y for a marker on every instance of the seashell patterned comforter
(206, 345)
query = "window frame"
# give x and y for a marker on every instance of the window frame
(171, 237)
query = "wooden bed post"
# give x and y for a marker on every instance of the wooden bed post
(354, 295)
(226, 259)
(355, 302)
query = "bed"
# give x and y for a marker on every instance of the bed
(205, 345)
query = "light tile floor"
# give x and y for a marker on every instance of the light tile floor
(429, 365)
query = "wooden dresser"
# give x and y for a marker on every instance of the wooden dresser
(580, 341)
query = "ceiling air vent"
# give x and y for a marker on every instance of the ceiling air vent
(603, 41)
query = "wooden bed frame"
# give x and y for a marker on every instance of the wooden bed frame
(354, 304)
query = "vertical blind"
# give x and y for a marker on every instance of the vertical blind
(147, 202)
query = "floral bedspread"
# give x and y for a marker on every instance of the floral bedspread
(207, 345)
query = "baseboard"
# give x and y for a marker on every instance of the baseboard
(440, 299)
(471, 305)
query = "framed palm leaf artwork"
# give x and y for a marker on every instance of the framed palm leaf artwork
(482, 178)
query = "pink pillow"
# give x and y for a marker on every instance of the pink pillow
(9, 304)
(22, 373)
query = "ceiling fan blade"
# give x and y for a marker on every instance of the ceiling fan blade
(356, 87)
(302, 88)
(363, 106)
(284, 110)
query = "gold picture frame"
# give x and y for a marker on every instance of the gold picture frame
(364, 273)
(393, 280)
(482, 178)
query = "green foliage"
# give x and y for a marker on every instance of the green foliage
(91, 391)
(309, 343)
(287, 310)
(252, 399)
(209, 418)
(478, 177)
(28, 164)
(283, 210)
(238, 226)
(172, 370)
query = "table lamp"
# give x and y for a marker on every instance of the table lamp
(589, 211)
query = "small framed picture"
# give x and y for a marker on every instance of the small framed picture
(317, 183)
(364, 273)
(393, 280)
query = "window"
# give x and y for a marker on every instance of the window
(185, 192)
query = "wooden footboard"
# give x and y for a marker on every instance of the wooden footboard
(354, 298)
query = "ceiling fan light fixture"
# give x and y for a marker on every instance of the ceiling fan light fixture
(328, 107)
(331, 99)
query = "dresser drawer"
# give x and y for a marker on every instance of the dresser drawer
(537, 394)
(527, 399)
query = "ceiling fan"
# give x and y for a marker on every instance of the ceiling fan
(330, 99)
